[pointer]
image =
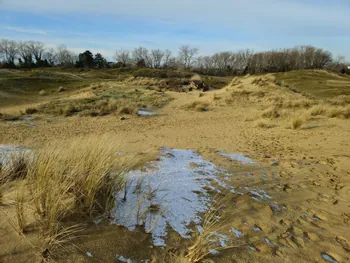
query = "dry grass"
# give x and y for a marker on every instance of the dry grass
(296, 103)
(126, 106)
(330, 111)
(16, 167)
(19, 206)
(296, 122)
(215, 221)
(342, 100)
(318, 110)
(264, 124)
(271, 113)
(197, 106)
(74, 179)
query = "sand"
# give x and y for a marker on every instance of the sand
(306, 172)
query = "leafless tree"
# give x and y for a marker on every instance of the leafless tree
(167, 56)
(186, 55)
(141, 54)
(37, 49)
(25, 54)
(50, 56)
(122, 56)
(9, 50)
(65, 57)
(156, 57)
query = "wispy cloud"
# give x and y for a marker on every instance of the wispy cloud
(25, 30)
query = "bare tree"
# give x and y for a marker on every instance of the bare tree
(122, 56)
(37, 48)
(186, 55)
(65, 57)
(50, 56)
(9, 49)
(156, 57)
(25, 54)
(140, 56)
(167, 56)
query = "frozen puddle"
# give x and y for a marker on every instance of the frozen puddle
(238, 157)
(328, 258)
(173, 194)
(145, 112)
(8, 151)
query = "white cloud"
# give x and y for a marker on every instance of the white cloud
(25, 30)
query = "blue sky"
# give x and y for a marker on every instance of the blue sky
(222, 25)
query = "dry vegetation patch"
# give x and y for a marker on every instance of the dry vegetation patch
(197, 106)
(66, 184)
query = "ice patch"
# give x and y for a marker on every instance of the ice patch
(123, 259)
(268, 241)
(145, 112)
(172, 194)
(328, 258)
(260, 194)
(7, 151)
(257, 228)
(237, 232)
(252, 248)
(238, 157)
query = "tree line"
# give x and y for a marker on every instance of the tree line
(31, 54)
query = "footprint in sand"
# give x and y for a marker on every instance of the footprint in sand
(311, 236)
(343, 242)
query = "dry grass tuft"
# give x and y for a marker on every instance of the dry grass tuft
(271, 113)
(207, 239)
(197, 106)
(75, 177)
(296, 122)
(19, 206)
(126, 106)
(318, 110)
(341, 100)
(296, 103)
(16, 167)
(264, 124)
(333, 112)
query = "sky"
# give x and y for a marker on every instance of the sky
(211, 26)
